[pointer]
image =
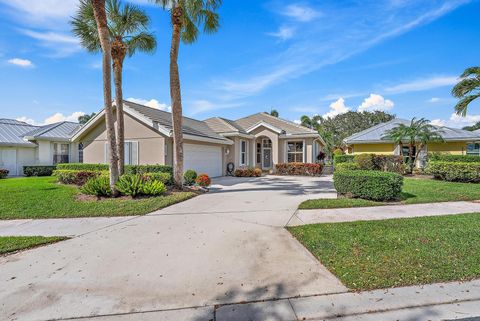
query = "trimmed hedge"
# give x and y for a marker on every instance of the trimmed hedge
(371, 185)
(302, 169)
(337, 159)
(467, 172)
(82, 167)
(79, 178)
(189, 177)
(248, 172)
(454, 158)
(365, 161)
(38, 170)
(389, 163)
(347, 167)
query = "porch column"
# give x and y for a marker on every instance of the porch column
(252, 152)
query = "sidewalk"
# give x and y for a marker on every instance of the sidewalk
(335, 215)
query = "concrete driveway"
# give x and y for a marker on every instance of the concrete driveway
(227, 246)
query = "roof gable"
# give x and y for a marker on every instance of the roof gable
(289, 127)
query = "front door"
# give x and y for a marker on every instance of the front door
(266, 154)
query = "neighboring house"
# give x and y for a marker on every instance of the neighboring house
(22, 144)
(259, 140)
(456, 141)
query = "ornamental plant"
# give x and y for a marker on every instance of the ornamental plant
(203, 180)
(189, 177)
(4, 173)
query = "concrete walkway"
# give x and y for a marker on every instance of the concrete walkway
(335, 215)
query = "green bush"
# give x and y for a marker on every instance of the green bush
(371, 185)
(365, 161)
(153, 188)
(164, 178)
(76, 177)
(98, 186)
(83, 167)
(189, 177)
(38, 170)
(347, 167)
(131, 185)
(389, 163)
(468, 172)
(453, 158)
(337, 159)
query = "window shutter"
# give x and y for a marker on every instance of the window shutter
(134, 153)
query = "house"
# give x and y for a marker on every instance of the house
(371, 140)
(23, 144)
(258, 140)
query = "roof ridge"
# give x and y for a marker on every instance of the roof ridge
(227, 121)
(370, 129)
(163, 111)
(281, 119)
(48, 128)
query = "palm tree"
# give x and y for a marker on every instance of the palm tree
(128, 30)
(312, 123)
(416, 135)
(100, 15)
(467, 89)
(187, 16)
(274, 113)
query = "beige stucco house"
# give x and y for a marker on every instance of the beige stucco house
(258, 140)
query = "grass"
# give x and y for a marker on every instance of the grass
(16, 243)
(397, 252)
(415, 191)
(42, 197)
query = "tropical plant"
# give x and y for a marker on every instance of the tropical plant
(154, 188)
(467, 89)
(98, 7)
(131, 185)
(475, 126)
(274, 113)
(187, 16)
(98, 186)
(128, 31)
(415, 135)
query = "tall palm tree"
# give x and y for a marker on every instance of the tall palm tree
(187, 16)
(467, 89)
(128, 31)
(415, 135)
(311, 122)
(104, 39)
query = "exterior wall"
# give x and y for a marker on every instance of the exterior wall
(25, 157)
(455, 148)
(383, 149)
(151, 145)
(44, 153)
(264, 132)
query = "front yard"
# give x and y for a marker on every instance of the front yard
(397, 252)
(42, 197)
(16, 243)
(415, 191)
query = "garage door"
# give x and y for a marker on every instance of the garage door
(203, 159)
(8, 160)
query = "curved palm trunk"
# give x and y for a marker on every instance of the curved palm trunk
(176, 97)
(119, 51)
(411, 163)
(101, 19)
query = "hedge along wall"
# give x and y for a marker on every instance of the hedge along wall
(467, 172)
(454, 158)
(300, 169)
(337, 159)
(371, 185)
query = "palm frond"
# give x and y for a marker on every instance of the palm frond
(461, 107)
(471, 71)
(84, 27)
(142, 41)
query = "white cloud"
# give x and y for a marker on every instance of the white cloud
(55, 118)
(27, 120)
(300, 12)
(151, 103)
(201, 106)
(375, 102)
(422, 84)
(457, 121)
(434, 100)
(284, 33)
(24, 63)
(336, 108)
(61, 44)
(44, 9)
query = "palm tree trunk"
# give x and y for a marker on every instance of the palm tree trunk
(410, 157)
(176, 97)
(101, 19)
(118, 54)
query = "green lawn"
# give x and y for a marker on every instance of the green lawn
(42, 197)
(16, 243)
(397, 252)
(414, 191)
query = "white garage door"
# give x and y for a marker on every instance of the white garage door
(8, 160)
(203, 159)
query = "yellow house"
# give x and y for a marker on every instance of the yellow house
(371, 140)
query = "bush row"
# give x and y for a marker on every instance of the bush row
(453, 158)
(130, 184)
(371, 185)
(80, 177)
(468, 172)
(385, 163)
(38, 170)
(304, 169)
(248, 172)
(337, 159)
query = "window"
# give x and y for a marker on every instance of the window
(80, 153)
(259, 153)
(243, 152)
(295, 152)
(473, 149)
(130, 153)
(60, 153)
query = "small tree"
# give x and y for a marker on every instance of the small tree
(82, 120)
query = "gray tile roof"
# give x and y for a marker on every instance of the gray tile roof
(376, 133)
(12, 132)
(62, 130)
(223, 125)
(190, 126)
(289, 127)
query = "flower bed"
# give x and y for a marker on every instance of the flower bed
(300, 169)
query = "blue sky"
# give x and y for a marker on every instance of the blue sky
(305, 57)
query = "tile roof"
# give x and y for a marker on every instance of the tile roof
(12, 132)
(223, 125)
(289, 127)
(377, 132)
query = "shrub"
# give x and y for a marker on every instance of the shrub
(83, 167)
(189, 177)
(453, 158)
(4, 173)
(164, 178)
(304, 169)
(371, 185)
(455, 171)
(337, 159)
(257, 172)
(248, 172)
(203, 180)
(75, 177)
(38, 170)
(338, 151)
(389, 163)
(154, 188)
(347, 167)
(131, 185)
(365, 161)
(98, 186)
